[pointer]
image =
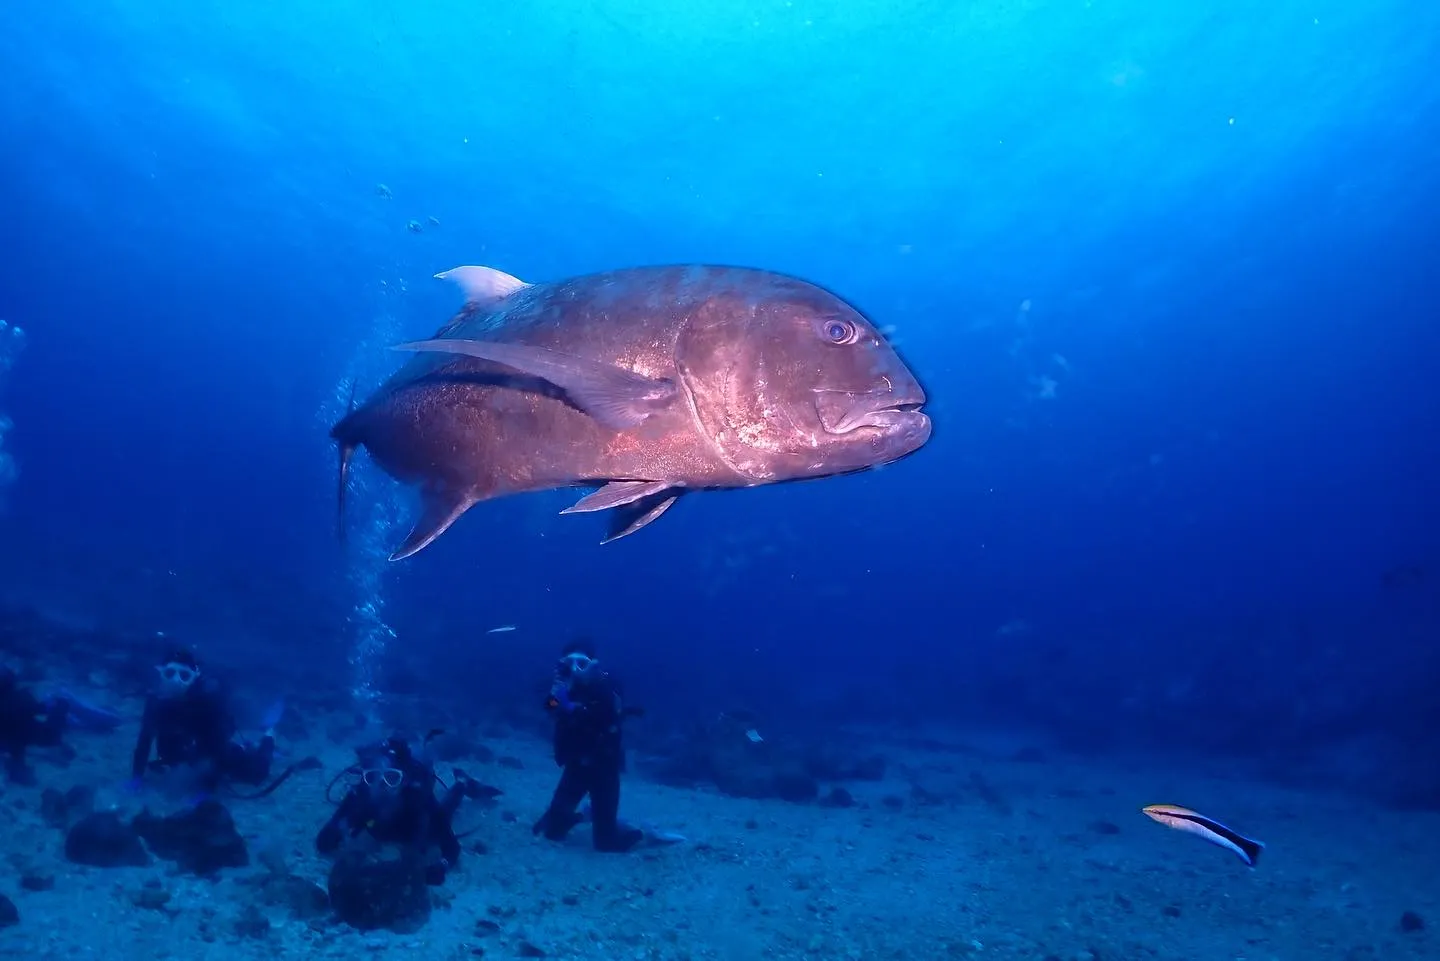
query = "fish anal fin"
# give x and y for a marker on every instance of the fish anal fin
(438, 510)
(616, 494)
(615, 397)
(482, 286)
(629, 518)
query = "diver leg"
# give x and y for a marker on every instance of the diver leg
(560, 817)
(608, 835)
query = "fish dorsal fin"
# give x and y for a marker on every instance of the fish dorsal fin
(483, 286)
(438, 510)
(614, 396)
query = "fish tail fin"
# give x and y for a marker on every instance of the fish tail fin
(344, 434)
(1251, 850)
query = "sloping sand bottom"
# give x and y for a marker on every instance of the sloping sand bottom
(992, 859)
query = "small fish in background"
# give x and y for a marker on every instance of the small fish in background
(1191, 822)
(754, 736)
(502, 629)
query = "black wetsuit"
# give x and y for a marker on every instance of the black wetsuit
(26, 722)
(590, 750)
(197, 727)
(417, 821)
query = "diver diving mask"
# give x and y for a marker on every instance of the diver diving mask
(389, 776)
(179, 675)
(573, 664)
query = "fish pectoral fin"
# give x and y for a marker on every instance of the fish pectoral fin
(629, 518)
(616, 494)
(482, 286)
(439, 509)
(615, 397)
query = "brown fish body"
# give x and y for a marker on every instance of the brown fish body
(652, 380)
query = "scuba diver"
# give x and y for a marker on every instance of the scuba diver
(394, 802)
(588, 708)
(26, 721)
(188, 720)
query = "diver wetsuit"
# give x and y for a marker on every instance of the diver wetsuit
(197, 727)
(406, 813)
(588, 708)
(26, 721)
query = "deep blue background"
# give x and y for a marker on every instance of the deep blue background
(1224, 220)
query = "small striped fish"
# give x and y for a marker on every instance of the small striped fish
(1184, 819)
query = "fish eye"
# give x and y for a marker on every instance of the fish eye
(839, 331)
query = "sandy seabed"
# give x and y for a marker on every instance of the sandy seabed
(1047, 859)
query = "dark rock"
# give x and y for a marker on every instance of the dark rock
(1104, 827)
(486, 926)
(104, 841)
(1410, 922)
(370, 894)
(527, 950)
(36, 882)
(251, 923)
(835, 763)
(52, 808)
(152, 896)
(796, 785)
(304, 899)
(743, 768)
(80, 800)
(61, 810)
(200, 841)
(1170, 911)
(9, 914)
(511, 762)
(837, 798)
(893, 802)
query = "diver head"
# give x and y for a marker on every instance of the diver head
(179, 670)
(385, 769)
(577, 659)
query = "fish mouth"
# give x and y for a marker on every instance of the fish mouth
(886, 411)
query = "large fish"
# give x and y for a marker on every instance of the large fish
(646, 382)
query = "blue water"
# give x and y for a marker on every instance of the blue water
(1166, 271)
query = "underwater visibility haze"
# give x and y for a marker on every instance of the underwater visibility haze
(1007, 417)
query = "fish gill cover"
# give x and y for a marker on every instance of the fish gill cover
(1165, 271)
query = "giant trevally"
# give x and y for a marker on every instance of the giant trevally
(647, 382)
